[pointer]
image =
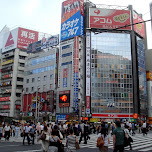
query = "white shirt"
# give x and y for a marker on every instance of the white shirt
(130, 125)
(144, 125)
(105, 139)
(7, 128)
(26, 129)
(42, 127)
(127, 132)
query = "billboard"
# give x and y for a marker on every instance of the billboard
(138, 28)
(64, 98)
(88, 71)
(43, 44)
(18, 38)
(72, 19)
(109, 18)
(4, 98)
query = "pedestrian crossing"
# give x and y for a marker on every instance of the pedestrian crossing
(141, 143)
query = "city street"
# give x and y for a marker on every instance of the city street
(141, 144)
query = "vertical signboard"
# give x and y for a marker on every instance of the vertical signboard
(138, 28)
(65, 76)
(72, 19)
(76, 72)
(88, 71)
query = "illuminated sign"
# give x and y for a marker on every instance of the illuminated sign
(64, 98)
(8, 62)
(4, 98)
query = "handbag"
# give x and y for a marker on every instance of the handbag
(130, 139)
(43, 136)
(21, 134)
(77, 144)
(100, 142)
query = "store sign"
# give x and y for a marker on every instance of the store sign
(111, 115)
(72, 19)
(8, 62)
(4, 98)
(43, 44)
(149, 76)
(5, 106)
(139, 28)
(88, 71)
(65, 77)
(64, 98)
(109, 18)
(18, 38)
(18, 106)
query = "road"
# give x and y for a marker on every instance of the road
(141, 144)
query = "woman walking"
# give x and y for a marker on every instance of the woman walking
(104, 134)
(71, 141)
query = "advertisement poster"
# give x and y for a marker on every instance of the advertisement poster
(65, 76)
(138, 28)
(72, 19)
(109, 18)
(64, 98)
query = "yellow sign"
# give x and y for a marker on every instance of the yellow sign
(7, 62)
(93, 119)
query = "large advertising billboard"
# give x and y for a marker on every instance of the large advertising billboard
(64, 98)
(109, 18)
(72, 19)
(43, 44)
(138, 28)
(18, 38)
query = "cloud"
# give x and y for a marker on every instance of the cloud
(31, 6)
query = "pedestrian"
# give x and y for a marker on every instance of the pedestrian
(32, 133)
(118, 138)
(45, 143)
(7, 130)
(1, 131)
(106, 139)
(144, 126)
(12, 130)
(139, 127)
(54, 141)
(17, 129)
(128, 135)
(26, 133)
(83, 133)
(71, 141)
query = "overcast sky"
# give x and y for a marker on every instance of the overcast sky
(45, 15)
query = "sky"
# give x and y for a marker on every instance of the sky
(45, 15)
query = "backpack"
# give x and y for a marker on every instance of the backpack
(100, 142)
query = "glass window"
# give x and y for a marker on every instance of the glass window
(32, 89)
(27, 80)
(38, 79)
(33, 79)
(51, 76)
(45, 77)
(26, 89)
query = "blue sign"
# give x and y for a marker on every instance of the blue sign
(60, 117)
(64, 82)
(72, 27)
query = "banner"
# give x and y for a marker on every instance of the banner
(109, 18)
(88, 71)
(43, 44)
(72, 19)
(138, 28)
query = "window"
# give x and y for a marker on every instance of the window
(33, 79)
(27, 80)
(26, 89)
(32, 89)
(38, 79)
(51, 86)
(51, 76)
(44, 87)
(45, 77)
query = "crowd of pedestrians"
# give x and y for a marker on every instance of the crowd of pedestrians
(52, 134)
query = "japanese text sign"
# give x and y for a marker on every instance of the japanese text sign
(109, 19)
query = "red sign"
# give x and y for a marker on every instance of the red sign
(87, 104)
(5, 106)
(71, 7)
(76, 55)
(109, 18)
(18, 106)
(111, 115)
(4, 98)
(64, 98)
(138, 28)
(6, 76)
(135, 115)
(26, 37)
(10, 40)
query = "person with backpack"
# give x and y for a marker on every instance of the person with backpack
(118, 138)
(106, 140)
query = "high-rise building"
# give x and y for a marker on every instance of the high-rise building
(14, 46)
